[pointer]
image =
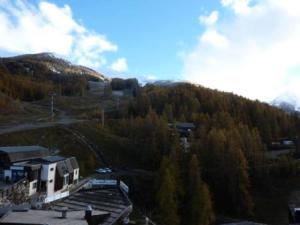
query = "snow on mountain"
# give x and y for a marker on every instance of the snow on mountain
(52, 63)
(287, 101)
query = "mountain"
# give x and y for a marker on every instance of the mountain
(47, 64)
(168, 83)
(32, 77)
(289, 102)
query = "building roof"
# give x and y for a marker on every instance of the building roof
(74, 163)
(62, 168)
(53, 158)
(185, 125)
(29, 164)
(110, 200)
(244, 223)
(49, 217)
(23, 153)
(67, 166)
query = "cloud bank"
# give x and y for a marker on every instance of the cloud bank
(28, 28)
(250, 48)
(120, 65)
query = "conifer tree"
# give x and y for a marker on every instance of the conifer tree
(199, 204)
(167, 206)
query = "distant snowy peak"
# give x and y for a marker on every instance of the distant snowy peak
(288, 102)
(168, 83)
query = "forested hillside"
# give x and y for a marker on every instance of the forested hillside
(224, 174)
(33, 77)
(226, 168)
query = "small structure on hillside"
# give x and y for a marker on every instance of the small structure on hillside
(281, 144)
(184, 130)
(48, 177)
(280, 147)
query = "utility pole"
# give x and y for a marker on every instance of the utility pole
(118, 102)
(52, 104)
(102, 117)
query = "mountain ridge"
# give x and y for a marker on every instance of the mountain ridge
(288, 102)
(51, 64)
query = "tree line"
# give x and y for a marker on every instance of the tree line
(32, 86)
(227, 162)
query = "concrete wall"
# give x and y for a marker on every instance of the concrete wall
(32, 189)
(48, 175)
(76, 174)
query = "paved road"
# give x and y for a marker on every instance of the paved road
(37, 125)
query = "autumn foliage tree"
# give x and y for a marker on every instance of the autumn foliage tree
(167, 204)
(199, 207)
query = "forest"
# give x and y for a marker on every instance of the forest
(226, 168)
(32, 82)
(224, 172)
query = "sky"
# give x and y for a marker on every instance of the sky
(248, 47)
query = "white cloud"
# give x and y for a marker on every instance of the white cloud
(250, 53)
(239, 6)
(214, 38)
(209, 20)
(26, 28)
(120, 65)
(151, 78)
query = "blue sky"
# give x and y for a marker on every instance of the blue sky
(150, 33)
(248, 47)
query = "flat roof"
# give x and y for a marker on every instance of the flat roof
(53, 158)
(49, 217)
(111, 200)
(243, 223)
(13, 149)
(185, 125)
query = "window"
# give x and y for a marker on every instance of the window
(34, 185)
(66, 179)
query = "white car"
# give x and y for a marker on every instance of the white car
(103, 170)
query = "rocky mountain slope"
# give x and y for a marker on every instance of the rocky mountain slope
(289, 102)
(46, 65)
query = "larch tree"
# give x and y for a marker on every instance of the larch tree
(199, 204)
(166, 199)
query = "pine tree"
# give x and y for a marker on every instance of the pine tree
(199, 204)
(167, 206)
(238, 179)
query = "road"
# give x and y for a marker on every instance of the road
(62, 120)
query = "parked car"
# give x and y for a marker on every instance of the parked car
(104, 170)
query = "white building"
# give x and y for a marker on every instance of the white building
(50, 176)
(57, 175)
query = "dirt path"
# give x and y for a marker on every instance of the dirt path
(63, 119)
